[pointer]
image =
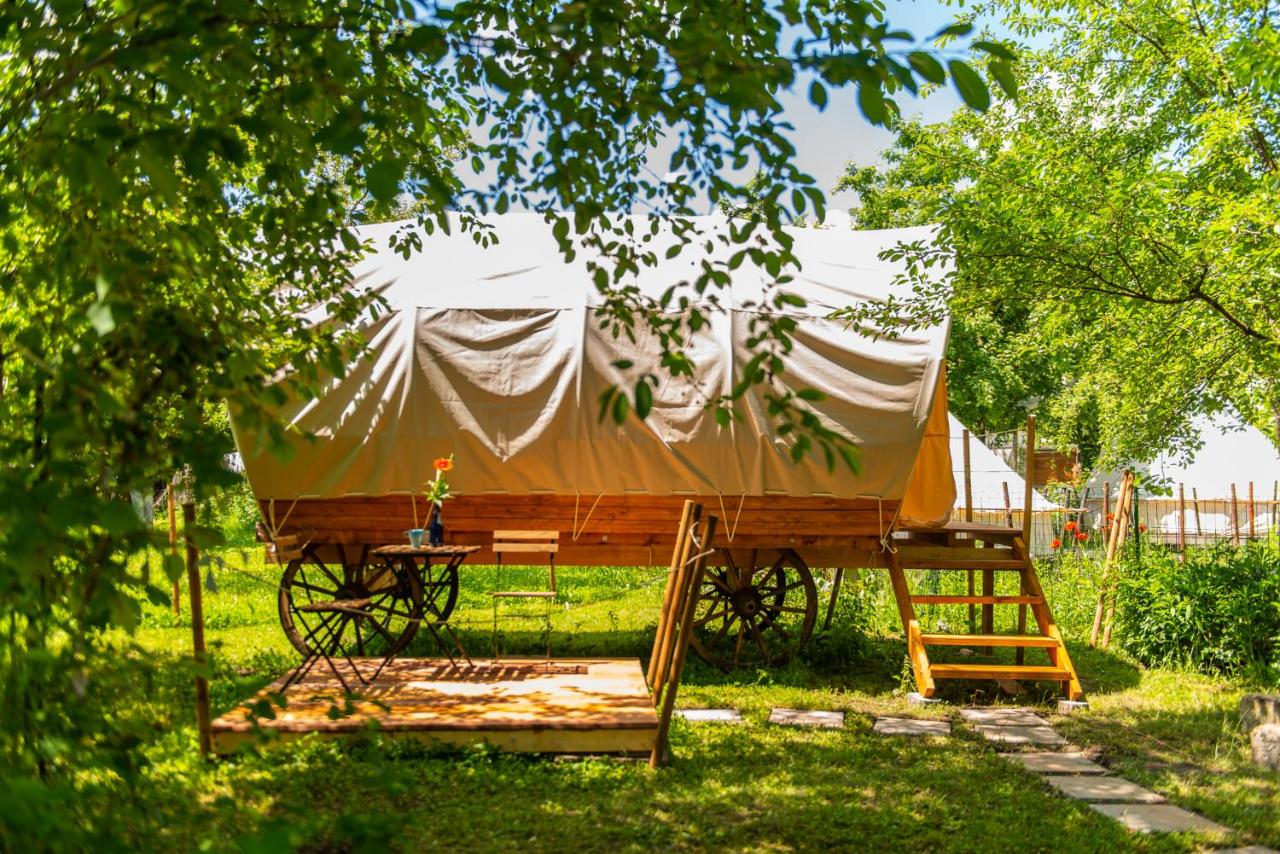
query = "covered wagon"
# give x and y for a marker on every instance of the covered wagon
(494, 354)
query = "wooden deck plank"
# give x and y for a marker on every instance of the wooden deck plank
(997, 671)
(528, 705)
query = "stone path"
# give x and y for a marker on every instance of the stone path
(718, 716)
(1071, 773)
(912, 726)
(1076, 776)
(806, 717)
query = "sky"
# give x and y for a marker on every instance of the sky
(826, 141)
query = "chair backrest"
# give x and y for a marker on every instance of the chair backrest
(521, 543)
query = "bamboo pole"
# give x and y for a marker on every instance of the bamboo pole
(688, 607)
(667, 632)
(1008, 508)
(1116, 538)
(1253, 532)
(197, 630)
(687, 516)
(1132, 510)
(1275, 503)
(1182, 523)
(1235, 516)
(173, 544)
(1195, 509)
(968, 515)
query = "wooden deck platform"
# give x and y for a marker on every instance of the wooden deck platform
(587, 705)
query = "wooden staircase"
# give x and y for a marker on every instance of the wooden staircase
(968, 546)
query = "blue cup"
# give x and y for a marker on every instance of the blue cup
(415, 537)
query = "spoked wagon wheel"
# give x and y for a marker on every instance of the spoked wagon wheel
(755, 613)
(394, 605)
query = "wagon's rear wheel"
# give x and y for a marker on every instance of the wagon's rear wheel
(755, 612)
(393, 613)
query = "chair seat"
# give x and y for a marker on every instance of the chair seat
(524, 594)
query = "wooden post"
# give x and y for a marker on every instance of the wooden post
(173, 544)
(1031, 475)
(197, 630)
(1008, 508)
(968, 516)
(1182, 523)
(1235, 517)
(1253, 532)
(1275, 503)
(1106, 506)
(1195, 510)
(1028, 507)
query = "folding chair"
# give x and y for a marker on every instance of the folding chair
(525, 543)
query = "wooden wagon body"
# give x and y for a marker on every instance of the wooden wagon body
(496, 355)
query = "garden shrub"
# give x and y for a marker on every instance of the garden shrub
(1219, 611)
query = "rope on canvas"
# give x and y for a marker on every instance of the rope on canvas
(886, 535)
(731, 529)
(577, 531)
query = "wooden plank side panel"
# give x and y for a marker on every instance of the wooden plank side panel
(616, 530)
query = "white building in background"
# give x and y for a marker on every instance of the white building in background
(988, 477)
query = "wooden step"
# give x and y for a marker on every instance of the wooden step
(989, 640)
(997, 671)
(976, 600)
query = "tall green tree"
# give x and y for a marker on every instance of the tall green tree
(176, 188)
(1119, 224)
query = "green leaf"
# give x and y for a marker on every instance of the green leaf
(871, 102)
(101, 317)
(927, 66)
(173, 567)
(810, 394)
(1003, 73)
(818, 95)
(959, 28)
(383, 179)
(997, 50)
(621, 406)
(970, 85)
(644, 398)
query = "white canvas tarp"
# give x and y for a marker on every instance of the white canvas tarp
(988, 474)
(495, 354)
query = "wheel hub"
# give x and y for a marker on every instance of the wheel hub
(747, 602)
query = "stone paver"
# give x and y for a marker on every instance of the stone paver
(719, 716)
(1070, 707)
(1003, 717)
(1035, 736)
(804, 717)
(1158, 818)
(911, 726)
(915, 698)
(1103, 789)
(1055, 763)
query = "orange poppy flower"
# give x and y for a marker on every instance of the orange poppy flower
(1070, 527)
(1082, 536)
(443, 464)
(1142, 528)
(1057, 544)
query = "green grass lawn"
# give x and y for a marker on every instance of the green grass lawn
(757, 786)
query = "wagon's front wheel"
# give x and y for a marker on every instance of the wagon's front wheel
(386, 624)
(757, 610)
